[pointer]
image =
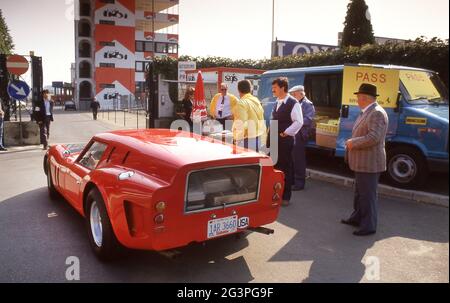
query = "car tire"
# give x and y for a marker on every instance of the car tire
(406, 167)
(102, 239)
(52, 192)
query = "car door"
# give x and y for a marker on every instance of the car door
(83, 166)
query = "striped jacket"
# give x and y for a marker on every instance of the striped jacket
(368, 154)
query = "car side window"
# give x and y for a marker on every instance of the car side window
(92, 157)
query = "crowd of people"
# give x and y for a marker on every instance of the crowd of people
(294, 113)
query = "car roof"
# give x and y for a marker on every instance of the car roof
(182, 148)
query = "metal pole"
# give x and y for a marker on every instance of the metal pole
(124, 118)
(137, 118)
(273, 20)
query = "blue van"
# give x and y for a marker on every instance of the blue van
(415, 99)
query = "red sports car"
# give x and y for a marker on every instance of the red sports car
(161, 189)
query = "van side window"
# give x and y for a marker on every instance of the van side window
(324, 90)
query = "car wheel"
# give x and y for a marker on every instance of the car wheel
(52, 192)
(406, 167)
(101, 234)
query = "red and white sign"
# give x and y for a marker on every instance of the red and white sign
(17, 65)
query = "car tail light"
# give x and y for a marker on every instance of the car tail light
(159, 219)
(276, 197)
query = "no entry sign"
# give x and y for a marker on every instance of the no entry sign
(17, 65)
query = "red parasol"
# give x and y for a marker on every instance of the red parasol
(199, 112)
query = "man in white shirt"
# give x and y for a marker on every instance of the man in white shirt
(289, 115)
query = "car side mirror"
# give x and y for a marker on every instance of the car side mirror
(345, 111)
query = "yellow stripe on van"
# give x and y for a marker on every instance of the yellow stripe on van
(416, 121)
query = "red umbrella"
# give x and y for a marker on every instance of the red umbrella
(199, 111)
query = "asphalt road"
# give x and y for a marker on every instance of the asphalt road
(38, 235)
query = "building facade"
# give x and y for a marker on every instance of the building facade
(115, 40)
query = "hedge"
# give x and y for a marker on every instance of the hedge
(429, 54)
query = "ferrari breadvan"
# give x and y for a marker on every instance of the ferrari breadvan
(160, 189)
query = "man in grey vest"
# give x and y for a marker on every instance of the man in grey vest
(366, 156)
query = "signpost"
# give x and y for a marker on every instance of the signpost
(17, 65)
(19, 90)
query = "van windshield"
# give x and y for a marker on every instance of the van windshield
(424, 87)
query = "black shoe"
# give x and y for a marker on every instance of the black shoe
(297, 188)
(351, 223)
(3, 149)
(362, 233)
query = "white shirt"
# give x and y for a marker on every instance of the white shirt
(224, 108)
(47, 107)
(367, 107)
(296, 116)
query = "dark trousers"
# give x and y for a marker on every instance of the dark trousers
(285, 146)
(95, 113)
(48, 121)
(44, 130)
(299, 161)
(366, 201)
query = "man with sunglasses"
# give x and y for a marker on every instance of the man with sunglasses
(223, 105)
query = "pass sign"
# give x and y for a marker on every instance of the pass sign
(18, 90)
(17, 65)
(387, 82)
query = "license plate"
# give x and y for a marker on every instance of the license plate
(221, 227)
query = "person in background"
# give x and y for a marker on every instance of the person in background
(249, 127)
(287, 111)
(2, 116)
(95, 105)
(223, 105)
(188, 103)
(301, 139)
(43, 115)
(366, 156)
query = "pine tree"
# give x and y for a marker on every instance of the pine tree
(358, 29)
(6, 41)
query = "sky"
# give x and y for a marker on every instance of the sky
(225, 28)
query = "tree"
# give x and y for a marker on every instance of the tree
(6, 41)
(358, 29)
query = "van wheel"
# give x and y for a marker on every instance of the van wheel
(52, 192)
(407, 168)
(102, 239)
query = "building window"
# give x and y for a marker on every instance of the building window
(139, 46)
(107, 43)
(161, 48)
(104, 85)
(172, 49)
(141, 66)
(107, 65)
(84, 29)
(149, 47)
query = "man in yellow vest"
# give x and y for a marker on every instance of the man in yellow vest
(249, 128)
(223, 105)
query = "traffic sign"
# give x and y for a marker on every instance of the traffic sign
(17, 65)
(18, 90)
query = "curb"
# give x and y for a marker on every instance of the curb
(15, 149)
(384, 190)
